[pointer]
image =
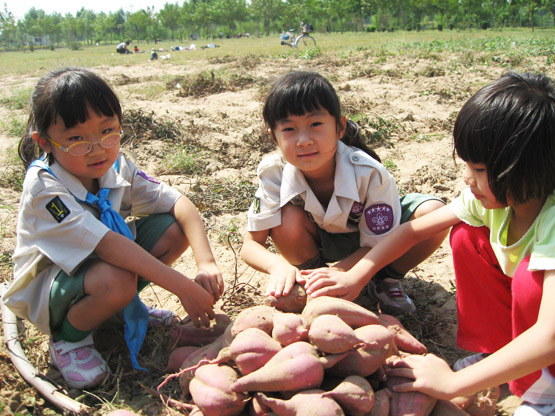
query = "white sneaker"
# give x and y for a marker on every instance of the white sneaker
(389, 294)
(468, 361)
(80, 363)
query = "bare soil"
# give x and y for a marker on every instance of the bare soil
(408, 103)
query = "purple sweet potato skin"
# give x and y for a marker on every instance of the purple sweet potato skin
(296, 367)
(211, 391)
(294, 302)
(411, 403)
(381, 403)
(367, 359)
(354, 315)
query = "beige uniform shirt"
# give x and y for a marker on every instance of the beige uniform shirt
(365, 197)
(56, 232)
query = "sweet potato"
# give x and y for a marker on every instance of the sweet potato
(211, 391)
(188, 334)
(410, 403)
(330, 334)
(296, 367)
(208, 352)
(354, 315)
(294, 302)
(382, 399)
(447, 408)
(404, 340)
(289, 328)
(305, 403)
(252, 349)
(365, 360)
(256, 408)
(482, 403)
(354, 394)
(179, 355)
(249, 350)
(260, 317)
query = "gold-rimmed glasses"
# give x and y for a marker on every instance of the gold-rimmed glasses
(82, 147)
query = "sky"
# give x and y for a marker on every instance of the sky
(19, 7)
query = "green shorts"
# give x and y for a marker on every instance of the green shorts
(335, 247)
(68, 289)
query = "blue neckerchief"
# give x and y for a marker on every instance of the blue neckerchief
(135, 314)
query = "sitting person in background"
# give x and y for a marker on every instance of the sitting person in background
(122, 48)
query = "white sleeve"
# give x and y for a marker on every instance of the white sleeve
(382, 210)
(265, 211)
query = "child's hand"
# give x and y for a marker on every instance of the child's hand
(328, 281)
(430, 373)
(210, 278)
(198, 303)
(282, 280)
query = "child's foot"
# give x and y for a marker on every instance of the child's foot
(389, 294)
(468, 361)
(80, 363)
(161, 317)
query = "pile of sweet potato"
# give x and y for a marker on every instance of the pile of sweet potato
(328, 359)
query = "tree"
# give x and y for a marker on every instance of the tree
(170, 17)
(266, 11)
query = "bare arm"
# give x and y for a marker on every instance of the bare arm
(121, 252)
(532, 350)
(348, 284)
(283, 275)
(209, 275)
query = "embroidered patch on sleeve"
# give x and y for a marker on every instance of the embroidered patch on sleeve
(57, 208)
(256, 206)
(379, 218)
(145, 176)
(356, 212)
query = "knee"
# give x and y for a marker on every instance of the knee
(427, 207)
(117, 286)
(294, 224)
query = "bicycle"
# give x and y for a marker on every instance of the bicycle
(303, 41)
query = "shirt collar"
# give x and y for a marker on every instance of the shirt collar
(294, 183)
(111, 179)
(345, 183)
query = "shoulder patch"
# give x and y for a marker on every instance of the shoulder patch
(57, 209)
(145, 176)
(256, 205)
(379, 218)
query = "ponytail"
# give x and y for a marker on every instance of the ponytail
(353, 137)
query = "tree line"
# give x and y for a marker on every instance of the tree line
(208, 18)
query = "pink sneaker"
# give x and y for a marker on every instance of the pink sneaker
(80, 363)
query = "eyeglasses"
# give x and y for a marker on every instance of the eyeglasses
(82, 147)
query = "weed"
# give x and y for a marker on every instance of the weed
(390, 164)
(182, 161)
(310, 53)
(216, 197)
(19, 100)
(209, 82)
(14, 125)
(140, 125)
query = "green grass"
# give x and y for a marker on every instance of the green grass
(509, 41)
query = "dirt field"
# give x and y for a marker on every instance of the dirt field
(408, 103)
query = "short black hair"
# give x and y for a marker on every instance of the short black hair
(300, 92)
(68, 93)
(509, 126)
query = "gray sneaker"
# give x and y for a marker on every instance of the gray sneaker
(389, 294)
(468, 361)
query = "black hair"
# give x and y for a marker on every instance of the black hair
(509, 126)
(68, 93)
(299, 92)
